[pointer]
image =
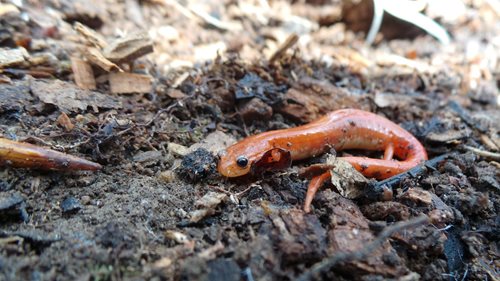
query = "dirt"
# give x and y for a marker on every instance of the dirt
(159, 210)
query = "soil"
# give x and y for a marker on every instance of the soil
(159, 210)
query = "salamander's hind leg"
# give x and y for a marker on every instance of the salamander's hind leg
(389, 152)
(314, 185)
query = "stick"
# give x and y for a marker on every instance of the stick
(375, 189)
(483, 153)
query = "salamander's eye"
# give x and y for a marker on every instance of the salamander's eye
(242, 161)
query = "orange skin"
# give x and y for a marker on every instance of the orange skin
(340, 130)
(24, 155)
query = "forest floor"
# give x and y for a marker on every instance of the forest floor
(152, 90)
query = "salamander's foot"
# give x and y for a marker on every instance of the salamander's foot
(314, 185)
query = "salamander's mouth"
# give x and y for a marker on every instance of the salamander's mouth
(271, 160)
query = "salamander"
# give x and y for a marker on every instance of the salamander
(338, 130)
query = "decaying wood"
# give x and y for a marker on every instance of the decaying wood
(121, 83)
(90, 36)
(84, 75)
(96, 58)
(129, 48)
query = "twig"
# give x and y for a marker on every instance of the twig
(483, 153)
(329, 262)
(289, 42)
(377, 188)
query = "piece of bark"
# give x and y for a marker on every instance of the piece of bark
(70, 98)
(122, 83)
(129, 48)
(90, 35)
(95, 57)
(84, 75)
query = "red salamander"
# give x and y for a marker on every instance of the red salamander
(340, 130)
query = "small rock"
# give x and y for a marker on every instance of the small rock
(177, 149)
(214, 142)
(12, 57)
(147, 156)
(85, 200)
(167, 176)
(70, 205)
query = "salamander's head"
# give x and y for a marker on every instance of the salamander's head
(246, 158)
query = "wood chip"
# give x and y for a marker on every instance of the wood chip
(84, 75)
(122, 83)
(89, 35)
(11, 57)
(129, 48)
(64, 121)
(96, 58)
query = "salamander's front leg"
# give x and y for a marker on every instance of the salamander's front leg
(314, 185)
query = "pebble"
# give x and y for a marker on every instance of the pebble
(70, 205)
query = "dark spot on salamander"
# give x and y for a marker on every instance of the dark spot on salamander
(376, 174)
(344, 130)
(410, 147)
(352, 123)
